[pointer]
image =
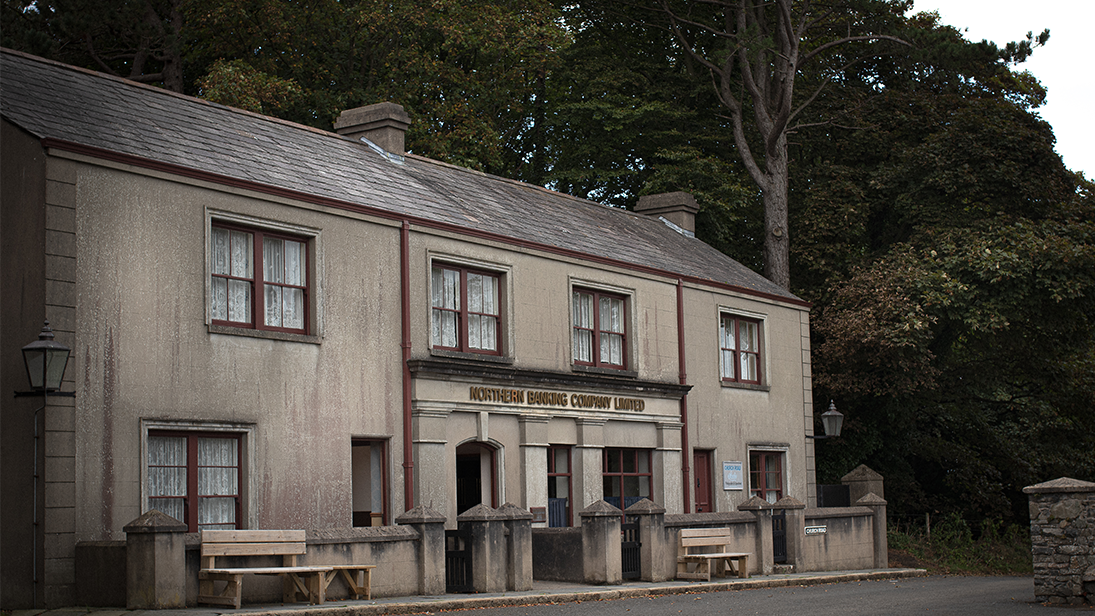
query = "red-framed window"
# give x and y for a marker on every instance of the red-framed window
(626, 476)
(739, 349)
(195, 477)
(559, 486)
(369, 482)
(599, 335)
(766, 475)
(258, 279)
(466, 310)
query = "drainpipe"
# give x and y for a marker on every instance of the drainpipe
(405, 298)
(684, 399)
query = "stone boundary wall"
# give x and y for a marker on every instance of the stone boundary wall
(1062, 537)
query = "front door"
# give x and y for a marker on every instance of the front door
(475, 478)
(702, 471)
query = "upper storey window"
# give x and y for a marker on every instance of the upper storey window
(258, 279)
(465, 314)
(739, 343)
(599, 335)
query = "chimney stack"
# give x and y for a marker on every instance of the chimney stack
(678, 208)
(385, 124)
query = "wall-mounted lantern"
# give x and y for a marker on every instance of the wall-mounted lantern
(831, 422)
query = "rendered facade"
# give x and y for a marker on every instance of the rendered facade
(274, 326)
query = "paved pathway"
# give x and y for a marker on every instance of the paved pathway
(847, 593)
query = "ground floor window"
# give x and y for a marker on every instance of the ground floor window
(558, 471)
(369, 482)
(195, 478)
(766, 475)
(626, 476)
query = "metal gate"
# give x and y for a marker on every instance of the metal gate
(779, 536)
(458, 561)
(629, 550)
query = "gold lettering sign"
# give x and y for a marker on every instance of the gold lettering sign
(554, 398)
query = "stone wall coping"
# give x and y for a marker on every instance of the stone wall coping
(366, 534)
(1063, 484)
(838, 512)
(699, 520)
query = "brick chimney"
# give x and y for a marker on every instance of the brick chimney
(678, 208)
(385, 124)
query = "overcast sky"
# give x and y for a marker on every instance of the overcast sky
(1064, 65)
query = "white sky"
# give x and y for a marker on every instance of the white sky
(1063, 65)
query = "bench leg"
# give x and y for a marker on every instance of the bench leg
(229, 595)
(360, 583)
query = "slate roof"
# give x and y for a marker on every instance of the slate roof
(59, 102)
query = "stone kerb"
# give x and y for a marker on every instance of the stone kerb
(1062, 536)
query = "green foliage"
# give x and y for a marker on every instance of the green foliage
(951, 546)
(239, 85)
(138, 40)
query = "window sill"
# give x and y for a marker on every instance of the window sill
(263, 334)
(605, 371)
(484, 357)
(749, 386)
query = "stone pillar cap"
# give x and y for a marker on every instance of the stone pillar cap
(600, 509)
(645, 506)
(869, 499)
(755, 504)
(862, 473)
(478, 513)
(155, 521)
(421, 515)
(510, 511)
(789, 502)
(1064, 484)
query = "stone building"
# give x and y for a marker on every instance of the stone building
(274, 326)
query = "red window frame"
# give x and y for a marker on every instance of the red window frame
(190, 502)
(463, 314)
(628, 458)
(735, 355)
(766, 475)
(257, 282)
(552, 473)
(595, 329)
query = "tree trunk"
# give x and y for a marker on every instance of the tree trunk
(777, 253)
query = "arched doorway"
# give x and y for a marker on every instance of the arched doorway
(476, 476)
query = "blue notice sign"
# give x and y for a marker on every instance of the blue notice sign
(732, 476)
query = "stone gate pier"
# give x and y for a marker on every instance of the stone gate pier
(1062, 536)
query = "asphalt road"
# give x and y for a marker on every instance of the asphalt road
(960, 596)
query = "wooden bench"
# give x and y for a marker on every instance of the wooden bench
(308, 583)
(358, 579)
(702, 549)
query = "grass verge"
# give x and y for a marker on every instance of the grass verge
(952, 547)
